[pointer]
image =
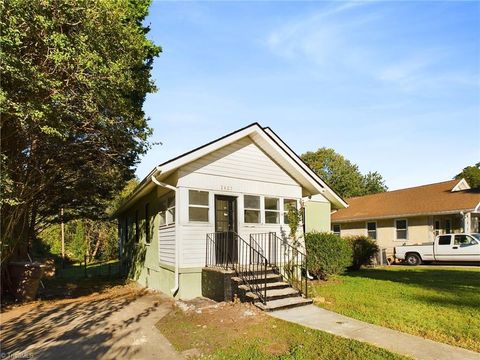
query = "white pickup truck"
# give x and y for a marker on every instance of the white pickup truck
(448, 247)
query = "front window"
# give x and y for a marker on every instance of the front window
(272, 210)
(287, 205)
(372, 230)
(336, 229)
(401, 229)
(167, 209)
(251, 206)
(198, 205)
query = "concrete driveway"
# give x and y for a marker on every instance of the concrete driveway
(94, 327)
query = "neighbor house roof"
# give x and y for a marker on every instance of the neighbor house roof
(267, 140)
(446, 197)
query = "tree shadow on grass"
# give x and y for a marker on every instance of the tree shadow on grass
(74, 329)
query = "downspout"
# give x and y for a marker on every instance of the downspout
(177, 241)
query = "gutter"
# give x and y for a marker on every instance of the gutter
(177, 240)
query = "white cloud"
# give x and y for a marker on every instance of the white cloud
(354, 40)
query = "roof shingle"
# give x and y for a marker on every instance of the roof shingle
(421, 200)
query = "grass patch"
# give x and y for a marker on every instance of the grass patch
(441, 304)
(226, 332)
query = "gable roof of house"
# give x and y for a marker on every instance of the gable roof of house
(446, 197)
(267, 140)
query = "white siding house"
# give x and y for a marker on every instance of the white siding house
(240, 182)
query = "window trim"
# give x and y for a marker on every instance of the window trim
(396, 230)
(376, 229)
(253, 209)
(278, 212)
(200, 207)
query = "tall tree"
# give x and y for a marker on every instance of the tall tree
(472, 175)
(342, 175)
(75, 74)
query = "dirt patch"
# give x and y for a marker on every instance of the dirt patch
(200, 327)
(128, 291)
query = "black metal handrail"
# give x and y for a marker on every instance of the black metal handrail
(229, 251)
(286, 259)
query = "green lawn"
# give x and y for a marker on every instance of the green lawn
(441, 304)
(227, 334)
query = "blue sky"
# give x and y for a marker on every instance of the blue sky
(392, 86)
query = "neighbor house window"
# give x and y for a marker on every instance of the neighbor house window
(147, 223)
(137, 228)
(272, 210)
(444, 240)
(287, 205)
(198, 205)
(336, 229)
(448, 226)
(166, 210)
(251, 205)
(437, 227)
(372, 230)
(401, 229)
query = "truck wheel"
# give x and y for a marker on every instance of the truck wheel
(413, 259)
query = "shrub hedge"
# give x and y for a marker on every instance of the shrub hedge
(364, 249)
(328, 254)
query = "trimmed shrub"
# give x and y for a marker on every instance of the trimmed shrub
(328, 254)
(364, 249)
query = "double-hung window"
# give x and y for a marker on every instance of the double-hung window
(272, 210)
(198, 206)
(372, 230)
(287, 205)
(167, 210)
(401, 229)
(336, 229)
(251, 206)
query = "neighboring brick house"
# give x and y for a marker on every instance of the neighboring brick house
(412, 215)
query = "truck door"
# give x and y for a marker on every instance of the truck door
(466, 248)
(443, 248)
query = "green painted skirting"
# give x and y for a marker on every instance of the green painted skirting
(163, 280)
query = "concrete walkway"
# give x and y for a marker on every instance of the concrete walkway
(414, 346)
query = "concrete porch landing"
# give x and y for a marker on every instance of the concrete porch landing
(414, 346)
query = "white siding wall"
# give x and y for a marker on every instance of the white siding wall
(237, 169)
(166, 238)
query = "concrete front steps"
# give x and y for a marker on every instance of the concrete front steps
(279, 295)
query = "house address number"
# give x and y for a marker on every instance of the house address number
(225, 187)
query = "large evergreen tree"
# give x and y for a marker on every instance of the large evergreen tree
(74, 75)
